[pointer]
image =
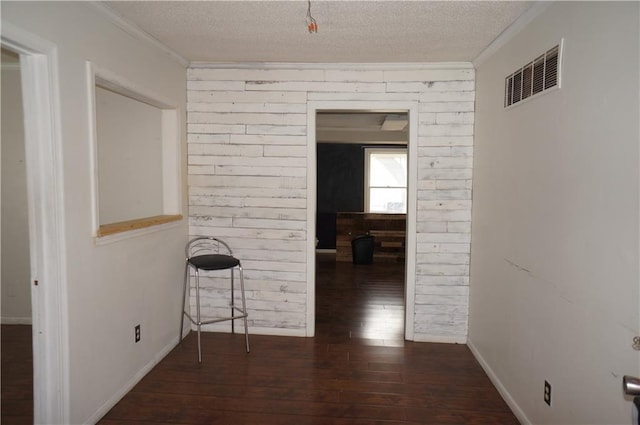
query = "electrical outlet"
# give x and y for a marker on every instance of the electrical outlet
(547, 393)
(137, 333)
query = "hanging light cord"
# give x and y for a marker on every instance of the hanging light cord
(312, 26)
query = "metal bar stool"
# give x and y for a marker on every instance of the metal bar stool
(209, 253)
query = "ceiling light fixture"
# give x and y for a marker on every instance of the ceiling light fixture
(312, 26)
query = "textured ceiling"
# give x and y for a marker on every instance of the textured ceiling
(349, 31)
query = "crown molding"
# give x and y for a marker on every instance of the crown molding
(512, 30)
(135, 31)
(341, 66)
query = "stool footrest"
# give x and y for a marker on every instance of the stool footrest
(216, 320)
(222, 319)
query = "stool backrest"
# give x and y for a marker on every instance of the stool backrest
(202, 245)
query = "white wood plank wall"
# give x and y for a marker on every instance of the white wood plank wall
(247, 137)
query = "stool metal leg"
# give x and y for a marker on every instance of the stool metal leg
(233, 308)
(199, 322)
(184, 298)
(244, 308)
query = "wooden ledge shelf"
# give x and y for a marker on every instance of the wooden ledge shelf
(139, 223)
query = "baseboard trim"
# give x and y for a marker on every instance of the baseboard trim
(444, 339)
(16, 320)
(108, 405)
(253, 330)
(277, 331)
(515, 408)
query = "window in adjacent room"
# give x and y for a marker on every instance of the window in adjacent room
(386, 180)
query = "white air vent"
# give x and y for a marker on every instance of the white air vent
(535, 77)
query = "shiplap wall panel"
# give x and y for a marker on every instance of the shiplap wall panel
(380, 96)
(262, 139)
(244, 161)
(231, 107)
(422, 75)
(200, 93)
(351, 75)
(265, 75)
(247, 183)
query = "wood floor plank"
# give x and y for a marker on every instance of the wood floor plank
(152, 407)
(17, 375)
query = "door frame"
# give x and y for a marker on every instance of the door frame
(411, 108)
(43, 154)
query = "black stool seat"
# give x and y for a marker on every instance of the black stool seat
(213, 262)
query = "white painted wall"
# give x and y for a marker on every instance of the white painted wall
(554, 270)
(129, 141)
(248, 181)
(116, 285)
(16, 297)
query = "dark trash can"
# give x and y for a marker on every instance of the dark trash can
(362, 249)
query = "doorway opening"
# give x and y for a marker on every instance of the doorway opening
(17, 344)
(42, 144)
(363, 166)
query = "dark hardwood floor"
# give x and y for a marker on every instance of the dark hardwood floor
(357, 370)
(17, 375)
(359, 303)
